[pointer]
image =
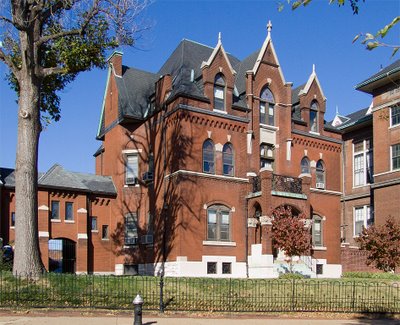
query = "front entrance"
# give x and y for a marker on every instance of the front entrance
(62, 255)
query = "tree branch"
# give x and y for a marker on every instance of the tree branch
(51, 71)
(7, 60)
(7, 20)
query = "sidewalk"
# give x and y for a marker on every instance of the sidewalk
(27, 319)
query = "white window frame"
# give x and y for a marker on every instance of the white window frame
(397, 107)
(365, 217)
(366, 156)
(321, 231)
(219, 93)
(391, 157)
(131, 234)
(131, 181)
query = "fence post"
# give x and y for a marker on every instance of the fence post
(353, 300)
(293, 293)
(161, 293)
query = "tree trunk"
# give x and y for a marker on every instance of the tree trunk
(27, 261)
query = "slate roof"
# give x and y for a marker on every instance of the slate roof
(58, 177)
(355, 118)
(295, 93)
(394, 67)
(241, 68)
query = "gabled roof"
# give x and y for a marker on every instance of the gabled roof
(368, 84)
(59, 178)
(313, 77)
(356, 118)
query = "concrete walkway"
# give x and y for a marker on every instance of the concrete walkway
(166, 320)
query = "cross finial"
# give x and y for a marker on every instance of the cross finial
(219, 37)
(269, 27)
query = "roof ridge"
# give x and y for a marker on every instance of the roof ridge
(195, 42)
(46, 174)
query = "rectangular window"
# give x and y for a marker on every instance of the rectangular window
(313, 121)
(317, 231)
(12, 219)
(319, 269)
(131, 231)
(94, 223)
(131, 169)
(55, 210)
(218, 224)
(104, 232)
(211, 267)
(69, 211)
(219, 102)
(395, 115)
(362, 218)
(362, 162)
(396, 156)
(226, 268)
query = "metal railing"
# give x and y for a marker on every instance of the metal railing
(200, 294)
(256, 184)
(287, 184)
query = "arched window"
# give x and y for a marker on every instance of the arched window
(218, 223)
(267, 156)
(305, 166)
(219, 92)
(317, 231)
(267, 107)
(208, 157)
(314, 117)
(320, 173)
(228, 160)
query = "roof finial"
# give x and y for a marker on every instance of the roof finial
(219, 37)
(313, 68)
(337, 110)
(269, 27)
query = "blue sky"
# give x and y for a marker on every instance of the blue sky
(320, 34)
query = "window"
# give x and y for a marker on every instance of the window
(131, 169)
(131, 231)
(219, 92)
(362, 218)
(362, 162)
(226, 268)
(314, 117)
(396, 156)
(395, 115)
(267, 107)
(69, 211)
(218, 223)
(94, 223)
(320, 173)
(55, 210)
(317, 231)
(12, 219)
(319, 269)
(267, 155)
(104, 232)
(208, 157)
(211, 267)
(305, 166)
(227, 158)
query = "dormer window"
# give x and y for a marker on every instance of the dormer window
(267, 107)
(314, 117)
(320, 175)
(219, 92)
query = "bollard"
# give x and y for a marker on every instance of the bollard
(138, 303)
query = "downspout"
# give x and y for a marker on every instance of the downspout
(247, 236)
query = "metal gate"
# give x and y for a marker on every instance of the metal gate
(62, 255)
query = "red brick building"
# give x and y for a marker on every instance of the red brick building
(71, 208)
(202, 152)
(193, 160)
(371, 162)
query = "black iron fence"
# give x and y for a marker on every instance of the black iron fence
(200, 294)
(286, 184)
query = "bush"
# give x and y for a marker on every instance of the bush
(291, 276)
(371, 275)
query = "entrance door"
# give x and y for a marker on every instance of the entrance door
(62, 256)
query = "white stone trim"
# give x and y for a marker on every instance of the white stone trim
(131, 151)
(218, 243)
(316, 190)
(82, 210)
(69, 221)
(43, 208)
(319, 248)
(44, 234)
(388, 172)
(82, 236)
(55, 220)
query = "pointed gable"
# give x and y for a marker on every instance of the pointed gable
(219, 48)
(268, 54)
(313, 78)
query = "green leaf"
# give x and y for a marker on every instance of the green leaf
(356, 38)
(372, 45)
(395, 51)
